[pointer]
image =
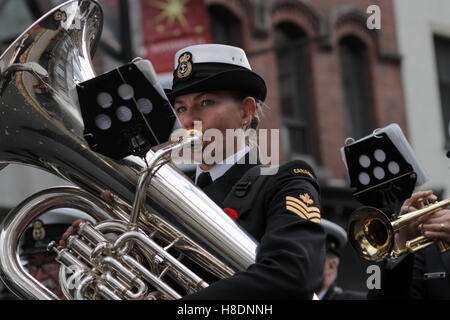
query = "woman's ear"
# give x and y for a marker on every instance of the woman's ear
(249, 109)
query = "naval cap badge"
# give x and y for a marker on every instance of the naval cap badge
(184, 65)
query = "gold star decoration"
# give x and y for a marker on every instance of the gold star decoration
(171, 10)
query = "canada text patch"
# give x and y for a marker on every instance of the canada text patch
(303, 171)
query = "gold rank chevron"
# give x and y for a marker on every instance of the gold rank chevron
(302, 209)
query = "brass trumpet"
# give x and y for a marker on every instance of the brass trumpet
(372, 234)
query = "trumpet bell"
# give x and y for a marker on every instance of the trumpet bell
(370, 234)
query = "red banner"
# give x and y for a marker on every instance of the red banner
(170, 25)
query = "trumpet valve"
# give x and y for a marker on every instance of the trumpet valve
(423, 202)
(443, 246)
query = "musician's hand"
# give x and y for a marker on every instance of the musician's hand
(108, 196)
(411, 204)
(436, 226)
(70, 231)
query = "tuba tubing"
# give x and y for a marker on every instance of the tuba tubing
(12, 272)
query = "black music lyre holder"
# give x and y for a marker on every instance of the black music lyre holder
(123, 113)
(379, 173)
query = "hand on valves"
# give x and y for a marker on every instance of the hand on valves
(433, 226)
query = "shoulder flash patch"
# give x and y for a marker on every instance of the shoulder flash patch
(303, 207)
(303, 171)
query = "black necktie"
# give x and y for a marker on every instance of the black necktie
(204, 179)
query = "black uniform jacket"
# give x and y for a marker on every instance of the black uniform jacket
(422, 275)
(285, 219)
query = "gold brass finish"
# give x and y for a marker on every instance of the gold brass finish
(372, 234)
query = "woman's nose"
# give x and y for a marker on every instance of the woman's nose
(188, 119)
(187, 124)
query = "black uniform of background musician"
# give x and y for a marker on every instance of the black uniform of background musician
(424, 274)
(329, 290)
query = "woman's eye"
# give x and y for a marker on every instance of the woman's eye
(181, 110)
(206, 102)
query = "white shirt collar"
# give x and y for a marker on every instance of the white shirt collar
(219, 169)
(322, 293)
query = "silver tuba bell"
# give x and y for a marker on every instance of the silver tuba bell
(133, 251)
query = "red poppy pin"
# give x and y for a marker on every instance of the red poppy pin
(231, 213)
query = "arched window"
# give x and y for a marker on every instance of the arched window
(294, 87)
(356, 87)
(225, 26)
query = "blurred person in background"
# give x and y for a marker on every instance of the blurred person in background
(335, 241)
(424, 274)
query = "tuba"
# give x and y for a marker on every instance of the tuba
(143, 248)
